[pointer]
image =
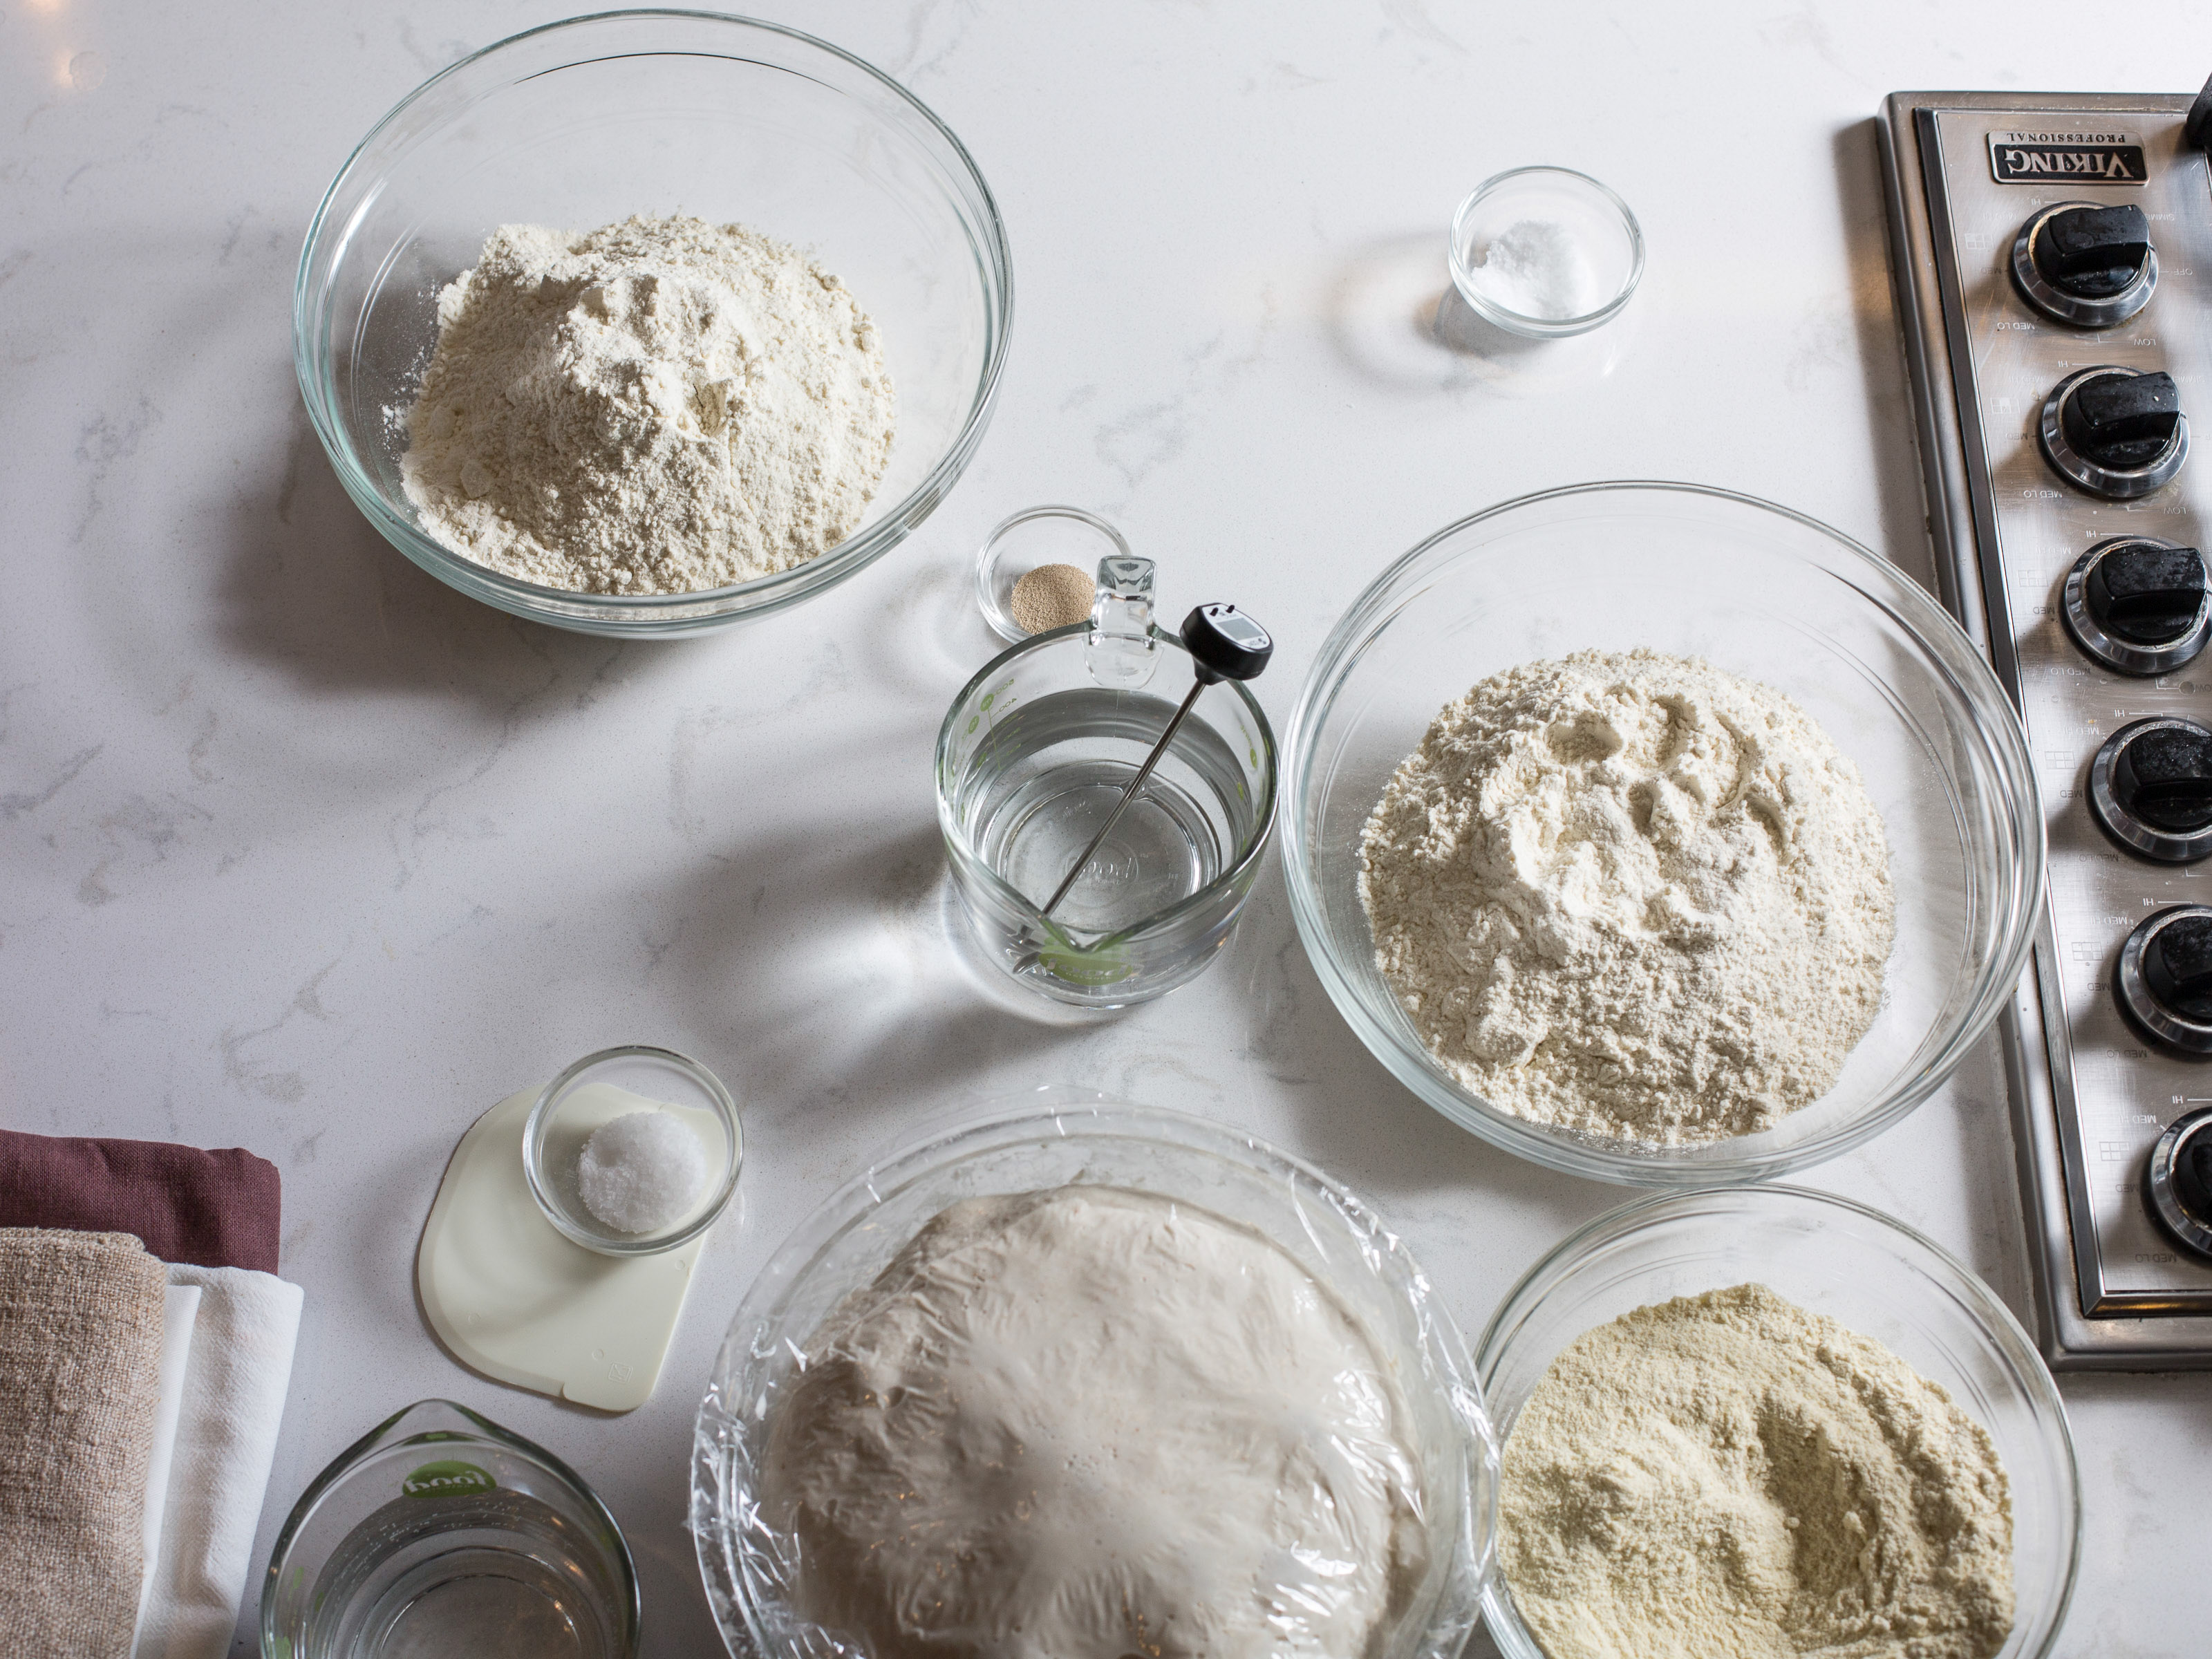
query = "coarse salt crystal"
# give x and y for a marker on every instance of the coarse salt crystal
(642, 1172)
(1533, 267)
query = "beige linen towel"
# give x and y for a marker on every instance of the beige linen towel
(80, 1320)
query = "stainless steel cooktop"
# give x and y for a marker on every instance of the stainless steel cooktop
(2053, 257)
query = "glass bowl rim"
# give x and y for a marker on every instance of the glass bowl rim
(1993, 1321)
(944, 1140)
(536, 1127)
(649, 612)
(958, 845)
(1637, 1163)
(1519, 322)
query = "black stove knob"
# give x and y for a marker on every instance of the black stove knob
(2164, 981)
(2094, 252)
(2138, 605)
(2123, 423)
(2086, 264)
(2192, 1179)
(2119, 433)
(2150, 787)
(2146, 593)
(2177, 967)
(2180, 1180)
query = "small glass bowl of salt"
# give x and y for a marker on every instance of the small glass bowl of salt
(1545, 252)
(633, 1151)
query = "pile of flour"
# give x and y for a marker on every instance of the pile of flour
(660, 406)
(1088, 1422)
(1728, 1475)
(1632, 895)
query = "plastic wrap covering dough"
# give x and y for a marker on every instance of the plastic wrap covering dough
(1088, 1422)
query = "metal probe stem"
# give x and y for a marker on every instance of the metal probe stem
(1127, 795)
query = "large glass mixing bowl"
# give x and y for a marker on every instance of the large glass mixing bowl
(587, 122)
(1761, 591)
(1867, 1272)
(1059, 1135)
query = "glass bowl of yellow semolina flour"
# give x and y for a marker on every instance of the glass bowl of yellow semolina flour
(1868, 1272)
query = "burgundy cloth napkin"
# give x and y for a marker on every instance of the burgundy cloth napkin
(212, 1209)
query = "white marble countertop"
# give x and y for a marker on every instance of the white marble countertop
(300, 850)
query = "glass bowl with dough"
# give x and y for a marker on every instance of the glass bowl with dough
(1642, 1016)
(1177, 1440)
(588, 124)
(1868, 1272)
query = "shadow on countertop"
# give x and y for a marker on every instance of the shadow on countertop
(828, 959)
(312, 589)
(1396, 320)
(1362, 1124)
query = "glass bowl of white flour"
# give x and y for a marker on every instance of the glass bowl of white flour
(584, 125)
(1758, 592)
(1054, 1141)
(1836, 1260)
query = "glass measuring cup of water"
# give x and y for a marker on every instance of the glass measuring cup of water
(442, 1536)
(1032, 758)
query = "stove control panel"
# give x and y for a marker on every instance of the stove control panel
(2054, 258)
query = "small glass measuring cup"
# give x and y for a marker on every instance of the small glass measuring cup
(1033, 756)
(440, 1533)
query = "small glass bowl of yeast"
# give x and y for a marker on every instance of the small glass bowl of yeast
(1032, 539)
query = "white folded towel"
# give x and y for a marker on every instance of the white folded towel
(180, 1309)
(237, 1371)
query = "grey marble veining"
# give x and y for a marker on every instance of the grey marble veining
(300, 850)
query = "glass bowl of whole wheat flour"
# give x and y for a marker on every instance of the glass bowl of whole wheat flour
(1760, 592)
(1832, 1258)
(586, 123)
(1056, 1137)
